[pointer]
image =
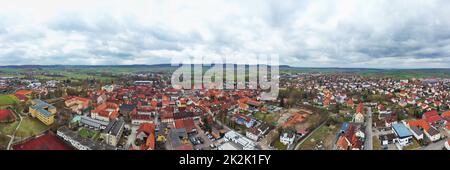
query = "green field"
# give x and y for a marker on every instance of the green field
(30, 127)
(278, 145)
(318, 135)
(4, 140)
(8, 128)
(8, 100)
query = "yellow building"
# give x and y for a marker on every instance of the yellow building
(43, 111)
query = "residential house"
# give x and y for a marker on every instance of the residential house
(287, 136)
(404, 136)
(433, 134)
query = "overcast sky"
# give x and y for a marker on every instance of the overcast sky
(316, 33)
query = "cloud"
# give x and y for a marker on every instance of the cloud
(313, 33)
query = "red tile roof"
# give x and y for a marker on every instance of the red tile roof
(421, 122)
(430, 114)
(446, 114)
(433, 119)
(188, 124)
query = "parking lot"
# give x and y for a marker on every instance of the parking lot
(206, 141)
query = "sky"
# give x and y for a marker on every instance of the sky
(303, 33)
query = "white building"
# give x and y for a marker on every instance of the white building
(433, 134)
(287, 137)
(242, 141)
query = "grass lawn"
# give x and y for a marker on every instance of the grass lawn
(272, 117)
(412, 146)
(318, 135)
(8, 128)
(86, 133)
(280, 146)
(4, 140)
(8, 99)
(376, 143)
(30, 127)
(259, 115)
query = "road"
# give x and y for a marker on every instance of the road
(368, 145)
(131, 137)
(435, 146)
(14, 134)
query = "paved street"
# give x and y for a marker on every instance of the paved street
(368, 145)
(131, 137)
(435, 146)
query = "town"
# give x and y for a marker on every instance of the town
(75, 110)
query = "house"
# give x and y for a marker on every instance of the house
(446, 116)
(417, 127)
(137, 119)
(350, 138)
(343, 143)
(384, 114)
(245, 120)
(43, 111)
(404, 136)
(435, 120)
(287, 136)
(243, 106)
(112, 133)
(166, 115)
(255, 133)
(358, 118)
(106, 111)
(387, 139)
(433, 134)
(127, 109)
(101, 99)
(187, 124)
(77, 104)
(350, 103)
(146, 132)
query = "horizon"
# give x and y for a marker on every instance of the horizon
(343, 34)
(206, 65)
